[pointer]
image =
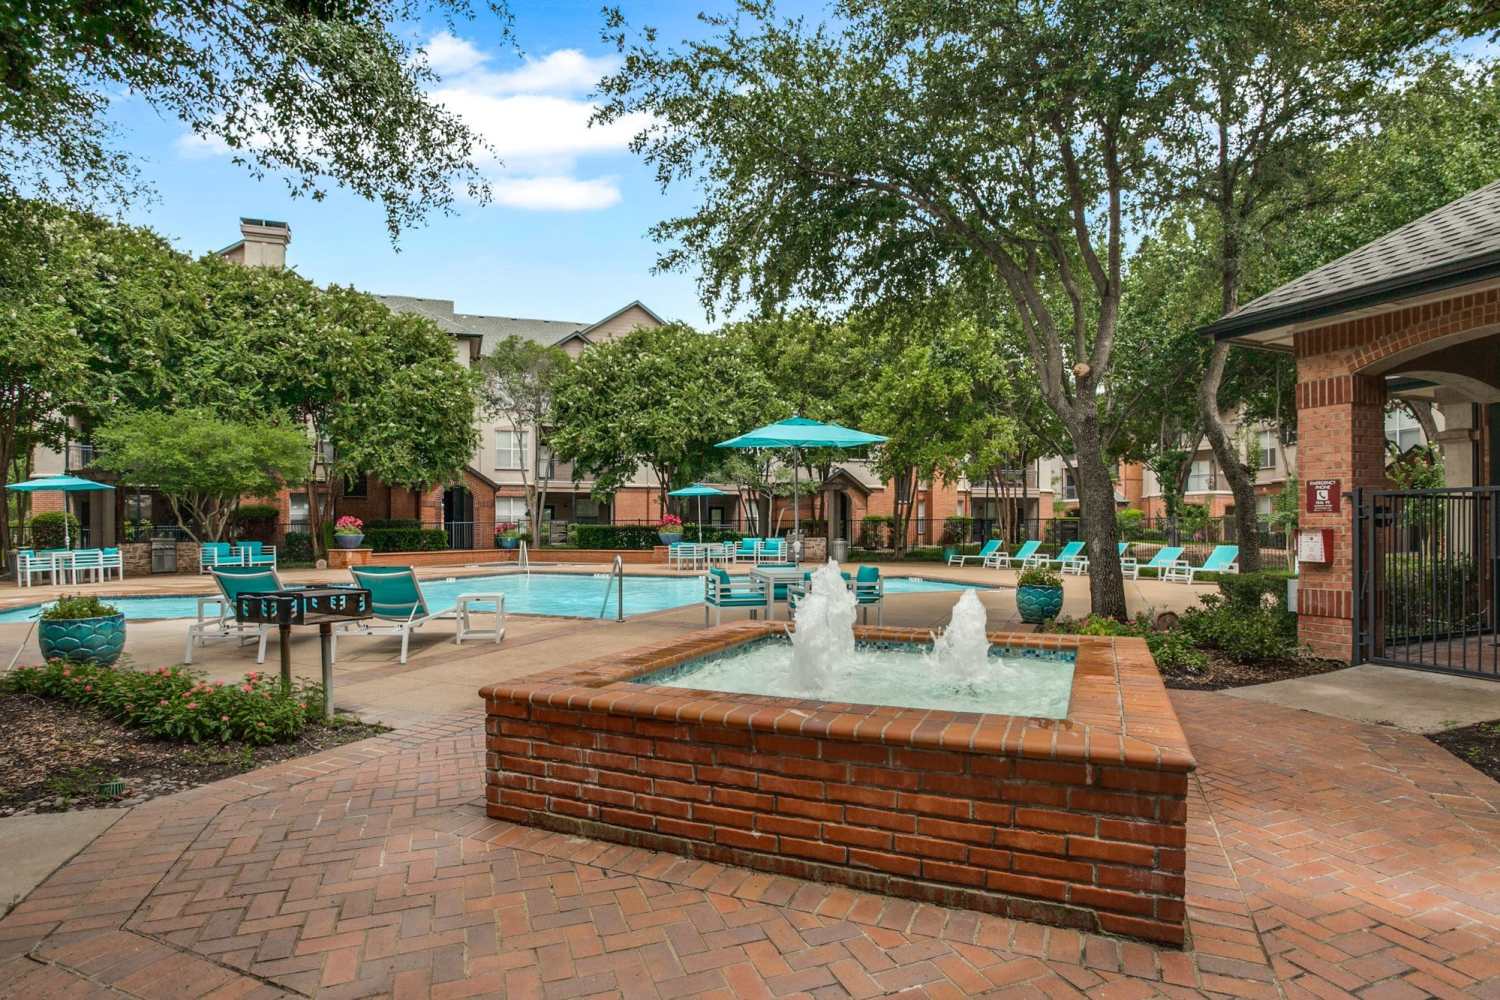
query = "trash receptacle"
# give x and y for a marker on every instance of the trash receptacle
(838, 550)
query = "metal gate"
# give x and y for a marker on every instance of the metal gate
(1427, 579)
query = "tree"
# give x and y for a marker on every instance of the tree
(380, 392)
(521, 377)
(919, 143)
(659, 397)
(202, 463)
(318, 93)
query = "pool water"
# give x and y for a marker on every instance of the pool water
(566, 594)
(1027, 682)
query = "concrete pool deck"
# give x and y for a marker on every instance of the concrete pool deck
(442, 678)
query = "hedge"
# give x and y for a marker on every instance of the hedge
(375, 524)
(616, 536)
(415, 539)
(47, 530)
(296, 546)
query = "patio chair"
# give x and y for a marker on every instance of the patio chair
(686, 555)
(398, 603)
(1081, 564)
(1165, 558)
(1023, 555)
(232, 581)
(1070, 554)
(720, 591)
(111, 560)
(747, 550)
(989, 549)
(257, 554)
(772, 550)
(30, 563)
(216, 555)
(86, 561)
(869, 592)
(1223, 559)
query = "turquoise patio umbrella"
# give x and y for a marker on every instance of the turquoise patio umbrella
(700, 491)
(794, 434)
(60, 484)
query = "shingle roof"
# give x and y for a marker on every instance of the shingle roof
(1447, 247)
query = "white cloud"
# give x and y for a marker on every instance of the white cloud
(556, 194)
(447, 54)
(533, 117)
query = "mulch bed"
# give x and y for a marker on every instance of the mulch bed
(1477, 745)
(1223, 673)
(54, 757)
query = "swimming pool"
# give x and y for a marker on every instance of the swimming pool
(573, 595)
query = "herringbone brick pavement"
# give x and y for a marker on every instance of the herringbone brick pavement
(1325, 858)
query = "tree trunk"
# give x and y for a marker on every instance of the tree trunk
(1241, 479)
(1096, 522)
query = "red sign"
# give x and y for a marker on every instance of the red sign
(1323, 496)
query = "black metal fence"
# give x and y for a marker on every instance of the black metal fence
(1427, 579)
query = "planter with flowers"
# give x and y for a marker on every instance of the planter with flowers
(669, 530)
(507, 535)
(348, 532)
(1039, 594)
(82, 629)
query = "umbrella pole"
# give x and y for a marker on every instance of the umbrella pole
(700, 520)
(796, 512)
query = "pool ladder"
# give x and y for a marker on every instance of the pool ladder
(524, 560)
(616, 573)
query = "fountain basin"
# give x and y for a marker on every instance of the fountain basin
(1077, 821)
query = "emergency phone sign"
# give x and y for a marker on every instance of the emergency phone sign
(1323, 496)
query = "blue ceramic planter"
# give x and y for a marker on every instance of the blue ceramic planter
(669, 537)
(1037, 604)
(89, 640)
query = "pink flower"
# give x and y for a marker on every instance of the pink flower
(187, 694)
(223, 718)
(218, 684)
(88, 687)
(67, 672)
(192, 704)
(162, 702)
(247, 688)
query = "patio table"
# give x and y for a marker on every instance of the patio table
(771, 577)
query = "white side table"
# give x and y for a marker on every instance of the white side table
(467, 606)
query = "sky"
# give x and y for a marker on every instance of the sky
(566, 235)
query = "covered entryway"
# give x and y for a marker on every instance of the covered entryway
(1406, 577)
(458, 517)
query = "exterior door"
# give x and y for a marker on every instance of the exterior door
(458, 517)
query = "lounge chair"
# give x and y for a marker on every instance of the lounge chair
(1165, 558)
(720, 591)
(747, 550)
(232, 581)
(1070, 554)
(215, 555)
(869, 592)
(983, 555)
(1025, 554)
(1223, 559)
(772, 550)
(111, 560)
(1081, 564)
(257, 554)
(398, 603)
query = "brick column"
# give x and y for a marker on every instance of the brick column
(1340, 435)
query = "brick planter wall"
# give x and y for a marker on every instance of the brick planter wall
(1078, 823)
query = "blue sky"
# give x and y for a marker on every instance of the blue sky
(566, 236)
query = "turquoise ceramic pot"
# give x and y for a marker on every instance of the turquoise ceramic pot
(89, 640)
(1037, 604)
(669, 537)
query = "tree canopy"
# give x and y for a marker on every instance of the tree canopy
(319, 93)
(521, 379)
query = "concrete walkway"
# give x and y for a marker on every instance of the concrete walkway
(1414, 700)
(33, 847)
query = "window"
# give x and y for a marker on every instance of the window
(510, 450)
(137, 507)
(1402, 429)
(1201, 478)
(1070, 485)
(586, 507)
(297, 513)
(510, 510)
(1264, 507)
(716, 515)
(1266, 446)
(357, 486)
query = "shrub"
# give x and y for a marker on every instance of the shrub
(174, 703)
(1172, 650)
(957, 529)
(392, 522)
(617, 536)
(1244, 634)
(1130, 523)
(76, 607)
(711, 533)
(1039, 576)
(47, 530)
(875, 532)
(296, 546)
(1250, 590)
(1424, 596)
(257, 512)
(406, 539)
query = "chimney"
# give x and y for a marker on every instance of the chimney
(262, 243)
